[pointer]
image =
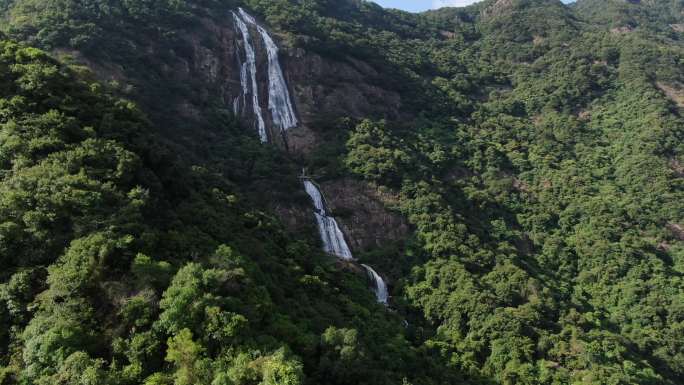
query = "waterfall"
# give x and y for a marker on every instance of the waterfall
(331, 235)
(279, 102)
(245, 90)
(380, 286)
(333, 238)
(249, 66)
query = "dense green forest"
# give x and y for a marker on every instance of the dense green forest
(541, 171)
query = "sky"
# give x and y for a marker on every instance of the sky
(423, 5)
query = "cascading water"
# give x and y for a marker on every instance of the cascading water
(333, 239)
(380, 287)
(249, 66)
(331, 235)
(279, 101)
(243, 94)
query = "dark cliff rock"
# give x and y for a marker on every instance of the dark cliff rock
(362, 212)
(206, 60)
(330, 89)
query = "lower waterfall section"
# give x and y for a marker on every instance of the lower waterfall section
(334, 242)
(380, 286)
(331, 235)
(333, 238)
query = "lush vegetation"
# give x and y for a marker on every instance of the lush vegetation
(541, 172)
(545, 216)
(116, 267)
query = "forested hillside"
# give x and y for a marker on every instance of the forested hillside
(519, 164)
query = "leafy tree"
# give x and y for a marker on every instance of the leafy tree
(186, 355)
(50, 340)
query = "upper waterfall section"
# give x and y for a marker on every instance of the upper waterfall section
(280, 104)
(248, 77)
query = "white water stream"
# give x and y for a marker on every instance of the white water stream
(249, 69)
(279, 102)
(334, 242)
(380, 286)
(283, 118)
(331, 235)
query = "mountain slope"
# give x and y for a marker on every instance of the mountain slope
(112, 244)
(527, 156)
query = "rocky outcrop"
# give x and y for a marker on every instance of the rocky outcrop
(621, 30)
(206, 61)
(362, 213)
(498, 8)
(324, 89)
(328, 89)
(677, 167)
(677, 230)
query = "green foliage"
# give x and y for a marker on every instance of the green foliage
(97, 217)
(51, 340)
(82, 24)
(151, 273)
(537, 157)
(375, 154)
(281, 369)
(79, 369)
(547, 202)
(186, 357)
(84, 264)
(195, 294)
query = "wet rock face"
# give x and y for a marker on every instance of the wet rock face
(211, 63)
(207, 62)
(203, 57)
(338, 88)
(362, 213)
(319, 87)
